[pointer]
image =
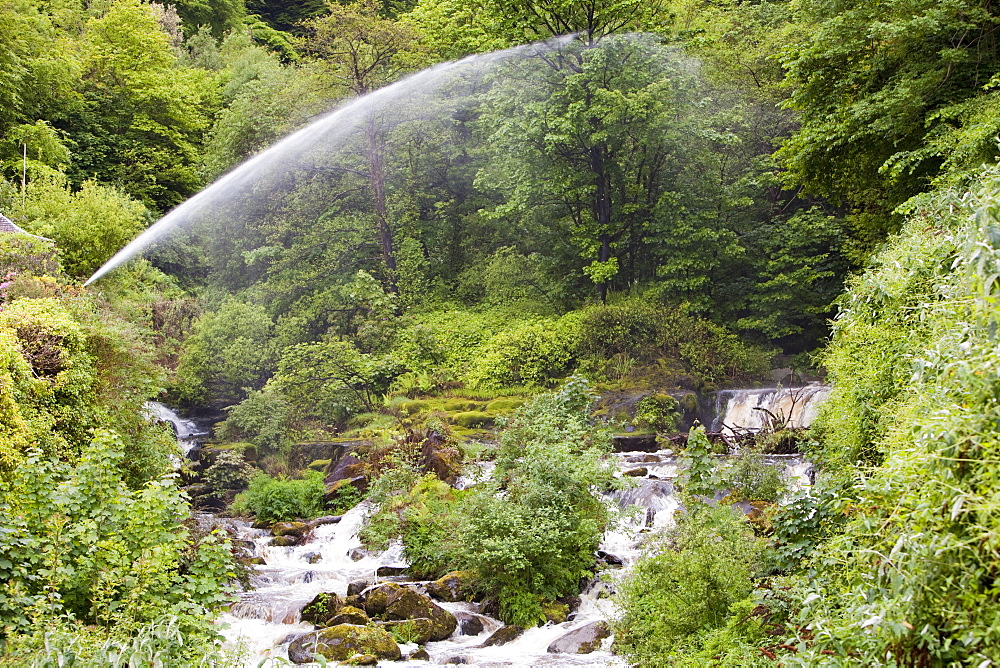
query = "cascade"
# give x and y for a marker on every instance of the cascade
(267, 615)
(186, 430)
(758, 409)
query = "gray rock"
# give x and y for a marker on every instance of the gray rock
(583, 640)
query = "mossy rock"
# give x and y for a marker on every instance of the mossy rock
(392, 602)
(361, 660)
(285, 541)
(319, 465)
(555, 612)
(323, 608)
(504, 635)
(420, 630)
(471, 419)
(455, 586)
(289, 528)
(689, 402)
(459, 406)
(414, 407)
(343, 641)
(348, 614)
(504, 405)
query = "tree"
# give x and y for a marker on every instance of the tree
(589, 135)
(364, 51)
(143, 115)
(88, 226)
(872, 82)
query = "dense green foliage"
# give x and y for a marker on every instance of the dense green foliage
(95, 549)
(528, 532)
(680, 597)
(659, 198)
(277, 500)
(918, 433)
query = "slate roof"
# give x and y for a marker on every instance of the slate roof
(7, 225)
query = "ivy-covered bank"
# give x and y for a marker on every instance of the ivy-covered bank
(892, 558)
(99, 561)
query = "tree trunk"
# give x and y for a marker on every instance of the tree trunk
(602, 212)
(376, 178)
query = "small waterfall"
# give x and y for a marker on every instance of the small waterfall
(187, 431)
(754, 410)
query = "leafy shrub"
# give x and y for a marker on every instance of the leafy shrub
(76, 542)
(687, 583)
(755, 480)
(263, 418)
(229, 471)
(230, 350)
(281, 499)
(530, 352)
(658, 412)
(530, 531)
(909, 448)
(646, 332)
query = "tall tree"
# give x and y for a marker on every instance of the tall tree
(364, 51)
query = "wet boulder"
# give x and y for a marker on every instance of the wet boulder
(289, 528)
(443, 461)
(286, 541)
(583, 640)
(454, 586)
(356, 587)
(326, 519)
(393, 602)
(419, 654)
(504, 635)
(391, 571)
(348, 614)
(469, 624)
(341, 642)
(637, 472)
(322, 609)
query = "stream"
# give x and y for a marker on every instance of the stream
(266, 618)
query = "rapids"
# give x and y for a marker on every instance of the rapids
(267, 617)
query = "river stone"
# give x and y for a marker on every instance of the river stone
(341, 642)
(637, 472)
(349, 615)
(454, 586)
(332, 491)
(322, 609)
(326, 519)
(391, 571)
(503, 635)
(285, 541)
(419, 654)
(583, 640)
(555, 612)
(469, 624)
(289, 528)
(358, 553)
(355, 588)
(301, 648)
(392, 602)
(420, 631)
(361, 660)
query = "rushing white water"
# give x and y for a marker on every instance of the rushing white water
(754, 410)
(187, 431)
(267, 618)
